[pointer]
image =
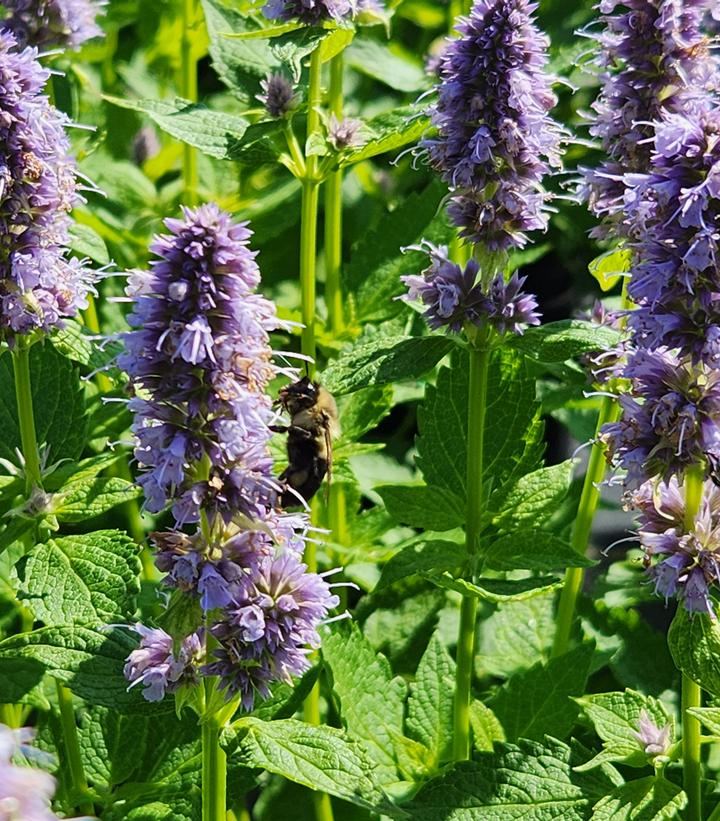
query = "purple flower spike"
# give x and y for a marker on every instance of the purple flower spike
(200, 360)
(654, 60)
(495, 141)
(39, 285)
(670, 422)
(45, 24)
(265, 638)
(689, 559)
(155, 667)
(454, 295)
(310, 12)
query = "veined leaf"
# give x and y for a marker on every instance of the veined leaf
(431, 508)
(424, 557)
(648, 799)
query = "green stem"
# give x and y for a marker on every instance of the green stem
(189, 90)
(79, 785)
(309, 216)
(691, 692)
(334, 212)
(26, 416)
(597, 465)
(214, 772)
(477, 404)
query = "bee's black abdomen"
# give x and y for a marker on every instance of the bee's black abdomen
(305, 472)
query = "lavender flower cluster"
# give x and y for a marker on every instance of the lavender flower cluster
(200, 363)
(495, 140)
(45, 24)
(39, 284)
(316, 12)
(454, 296)
(654, 59)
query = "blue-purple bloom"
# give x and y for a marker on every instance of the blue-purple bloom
(200, 362)
(670, 420)
(25, 792)
(310, 12)
(46, 24)
(39, 285)
(688, 561)
(454, 295)
(155, 666)
(495, 140)
(267, 636)
(672, 215)
(345, 133)
(654, 60)
(278, 97)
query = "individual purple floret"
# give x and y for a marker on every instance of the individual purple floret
(45, 24)
(495, 141)
(672, 214)
(310, 12)
(39, 285)
(654, 59)
(688, 563)
(268, 635)
(670, 420)
(278, 97)
(454, 296)
(200, 362)
(25, 792)
(155, 667)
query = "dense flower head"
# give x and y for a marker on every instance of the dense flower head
(670, 419)
(25, 791)
(268, 634)
(495, 140)
(654, 59)
(672, 214)
(454, 295)
(39, 285)
(310, 12)
(155, 666)
(278, 97)
(345, 133)
(65, 24)
(200, 361)
(682, 561)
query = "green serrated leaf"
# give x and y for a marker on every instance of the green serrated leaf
(609, 267)
(86, 242)
(240, 64)
(371, 700)
(513, 431)
(565, 339)
(532, 550)
(616, 718)
(78, 344)
(89, 661)
(648, 799)
(516, 636)
(58, 405)
(423, 557)
(430, 508)
(538, 701)
(694, 641)
(216, 133)
(321, 758)
(430, 706)
(292, 47)
(535, 497)
(497, 591)
(88, 468)
(379, 360)
(91, 579)
(528, 781)
(85, 498)
(390, 131)
(709, 717)
(364, 410)
(376, 60)
(487, 730)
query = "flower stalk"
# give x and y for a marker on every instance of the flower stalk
(72, 748)
(214, 764)
(691, 691)
(334, 212)
(479, 361)
(189, 90)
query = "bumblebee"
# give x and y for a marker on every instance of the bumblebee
(313, 426)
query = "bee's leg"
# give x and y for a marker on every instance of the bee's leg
(300, 433)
